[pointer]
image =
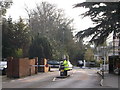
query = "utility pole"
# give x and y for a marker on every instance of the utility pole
(63, 53)
(103, 66)
(104, 60)
(114, 36)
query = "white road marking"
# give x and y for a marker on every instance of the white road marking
(54, 79)
(90, 74)
(12, 80)
(101, 82)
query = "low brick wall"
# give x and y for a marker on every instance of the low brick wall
(24, 68)
(21, 67)
(32, 69)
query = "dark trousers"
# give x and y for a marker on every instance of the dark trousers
(63, 73)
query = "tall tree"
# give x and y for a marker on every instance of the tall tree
(51, 23)
(21, 34)
(106, 17)
(15, 37)
(7, 48)
(40, 47)
(89, 55)
(4, 5)
(46, 19)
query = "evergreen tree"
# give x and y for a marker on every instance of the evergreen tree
(15, 38)
(41, 48)
(106, 17)
(51, 23)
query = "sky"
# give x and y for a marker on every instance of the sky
(18, 9)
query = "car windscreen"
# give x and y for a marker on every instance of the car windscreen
(53, 62)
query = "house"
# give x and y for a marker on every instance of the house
(114, 55)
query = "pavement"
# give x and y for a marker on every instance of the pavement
(109, 80)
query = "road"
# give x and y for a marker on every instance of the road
(79, 78)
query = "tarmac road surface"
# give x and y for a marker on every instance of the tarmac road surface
(79, 78)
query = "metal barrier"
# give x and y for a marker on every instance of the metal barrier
(47, 65)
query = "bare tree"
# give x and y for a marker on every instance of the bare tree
(51, 22)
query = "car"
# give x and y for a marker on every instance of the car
(54, 63)
(80, 63)
(92, 64)
(3, 67)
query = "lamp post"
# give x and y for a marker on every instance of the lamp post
(104, 59)
(63, 33)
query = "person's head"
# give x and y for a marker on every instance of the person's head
(67, 57)
(64, 59)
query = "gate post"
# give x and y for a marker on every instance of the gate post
(9, 67)
(44, 68)
(36, 63)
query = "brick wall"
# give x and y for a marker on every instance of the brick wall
(24, 67)
(43, 62)
(15, 67)
(32, 69)
(9, 66)
(21, 67)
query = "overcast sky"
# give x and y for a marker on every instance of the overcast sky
(18, 9)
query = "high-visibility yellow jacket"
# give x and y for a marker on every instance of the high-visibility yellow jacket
(66, 65)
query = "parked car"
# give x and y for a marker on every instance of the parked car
(92, 64)
(3, 67)
(53, 63)
(80, 63)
